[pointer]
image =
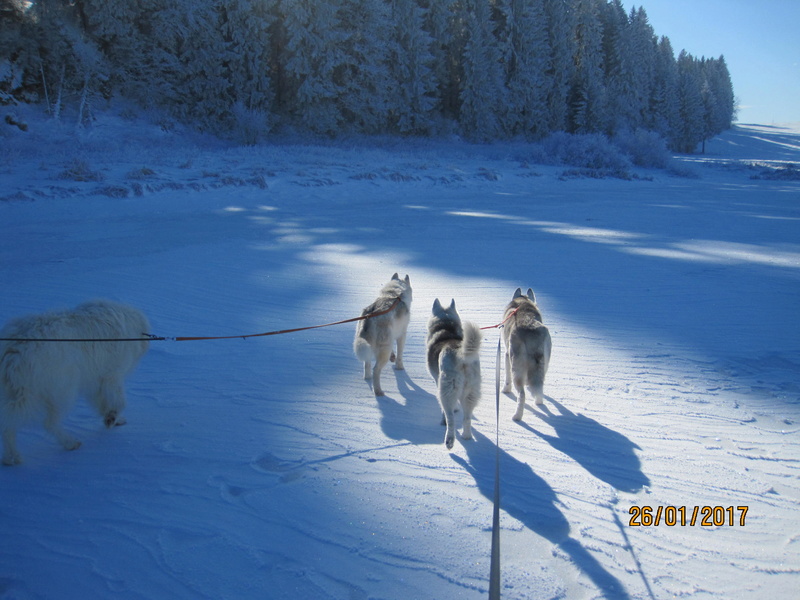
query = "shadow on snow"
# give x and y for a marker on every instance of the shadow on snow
(530, 499)
(606, 454)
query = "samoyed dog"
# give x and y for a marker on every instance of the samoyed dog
(453, 353)
(42, 379)
(376, 336)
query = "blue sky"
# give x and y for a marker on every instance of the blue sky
(760, 42)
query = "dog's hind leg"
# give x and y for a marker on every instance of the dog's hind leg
(367, 370)
(401, 342)
(448, 398)
(468, 403)
(109, 399)
(52, 423)
(381, 359)
(536, 374)
(11, 455)
(470, 397)
(507, 386)
(519, 385)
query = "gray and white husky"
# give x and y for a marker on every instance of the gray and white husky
(43, 379)
(376, 336)
(528, 347)
(454, 362)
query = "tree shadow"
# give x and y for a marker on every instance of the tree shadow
(530, 499)
(417, 419)
(606, 454)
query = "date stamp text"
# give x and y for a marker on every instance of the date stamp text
(682, 516)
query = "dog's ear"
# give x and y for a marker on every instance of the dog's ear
(518, 293)
(452, 305)
(437, 306)
(408, 280)
(395, 276)
(531, 295)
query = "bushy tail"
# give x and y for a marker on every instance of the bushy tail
(471, 346)
(363, 350)
(538, 361)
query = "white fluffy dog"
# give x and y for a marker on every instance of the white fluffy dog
(41, 379)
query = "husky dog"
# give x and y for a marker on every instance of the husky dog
(42, 379)
(454, 362)
(528, 348)
(376, 336)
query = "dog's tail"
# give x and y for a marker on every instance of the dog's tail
(538, 352)
(362, 349)
(471, 345)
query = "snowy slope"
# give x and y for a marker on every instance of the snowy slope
(265, 468)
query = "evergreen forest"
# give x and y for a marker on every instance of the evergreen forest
(486, 70)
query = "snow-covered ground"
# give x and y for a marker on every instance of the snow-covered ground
(265, 468)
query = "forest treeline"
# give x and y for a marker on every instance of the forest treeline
(484, 69)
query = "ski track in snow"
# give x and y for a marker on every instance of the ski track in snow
(266, 468)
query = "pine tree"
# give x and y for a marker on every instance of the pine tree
(690, 128)
(664, 109)
(202, 78)
(412, 65)
(367, 92)
(246, 27)
(561, 66)
(447, 26)
(529, 82)
(587, 102)
(313, 64)
(720, 100)
(483, 96)
(630, 57)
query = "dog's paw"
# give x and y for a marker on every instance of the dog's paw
(379, 393)
(539, 401)
(112, 420)
(449, 441)
(12, 459)
(392, 357)
(399, 367)
(517, 416)
(506, 389)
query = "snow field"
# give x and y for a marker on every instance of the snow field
(267, 467)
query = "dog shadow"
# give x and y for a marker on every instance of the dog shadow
(415, 420)
(530, 499)
(606, 454)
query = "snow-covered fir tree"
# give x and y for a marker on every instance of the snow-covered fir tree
(689, 129)
(561, 68)
(528, 64)
(483, 91)
(587, 101)
(367, 92)
(412, 63)
(313, 64)
(663, 114)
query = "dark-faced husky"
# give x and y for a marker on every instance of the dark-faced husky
(528, 347)
(376, 336)
(454, 362)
